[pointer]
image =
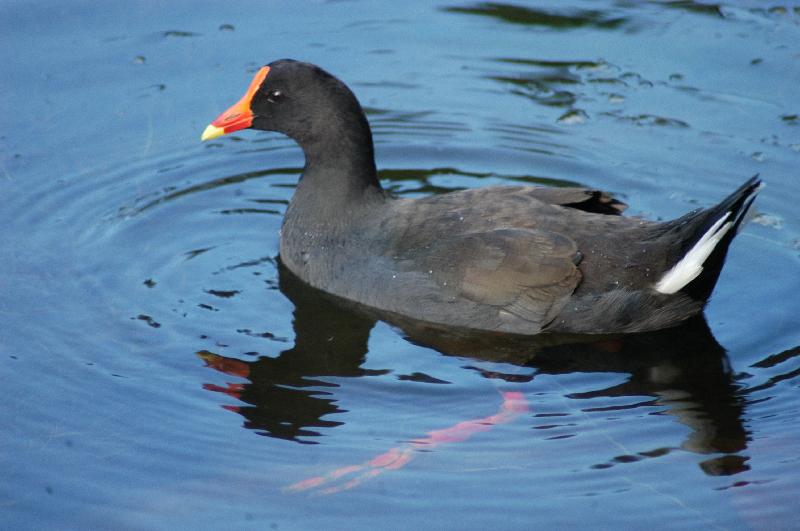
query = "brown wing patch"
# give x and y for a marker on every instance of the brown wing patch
(524, 274)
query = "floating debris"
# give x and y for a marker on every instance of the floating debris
(575, 116)
(149, 320)
(223, 294)
(264, 335)
(178, 33)
(648, 120)
(768, 220)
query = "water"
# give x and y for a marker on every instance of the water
(160, 371)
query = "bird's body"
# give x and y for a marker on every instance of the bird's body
(519, 260)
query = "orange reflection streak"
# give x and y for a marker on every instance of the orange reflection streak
(514, 404)
(232, 389)
(230, 366)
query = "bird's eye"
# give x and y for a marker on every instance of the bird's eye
(274, 95)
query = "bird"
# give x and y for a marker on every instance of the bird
(518, 260)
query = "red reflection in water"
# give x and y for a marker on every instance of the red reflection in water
(514, 404)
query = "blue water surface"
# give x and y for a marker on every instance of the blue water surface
(161, 371)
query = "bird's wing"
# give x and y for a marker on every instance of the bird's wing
(585, 199)
(524, 274)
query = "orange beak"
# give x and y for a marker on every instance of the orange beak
(239, 115)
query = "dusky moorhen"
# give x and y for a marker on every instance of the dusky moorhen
(511, 259)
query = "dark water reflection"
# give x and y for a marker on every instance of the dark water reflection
(684, 369)
(557, 19)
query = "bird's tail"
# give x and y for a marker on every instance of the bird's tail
(708, 234)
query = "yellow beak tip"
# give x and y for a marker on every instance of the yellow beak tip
(211, 132)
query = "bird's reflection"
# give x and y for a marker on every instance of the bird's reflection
(683, 369)
(283, 393)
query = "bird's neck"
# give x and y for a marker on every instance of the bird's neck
(339, 173)
(337, 195)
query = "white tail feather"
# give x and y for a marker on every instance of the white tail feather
(691, 265)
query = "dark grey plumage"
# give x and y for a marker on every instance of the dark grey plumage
(519, 260)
